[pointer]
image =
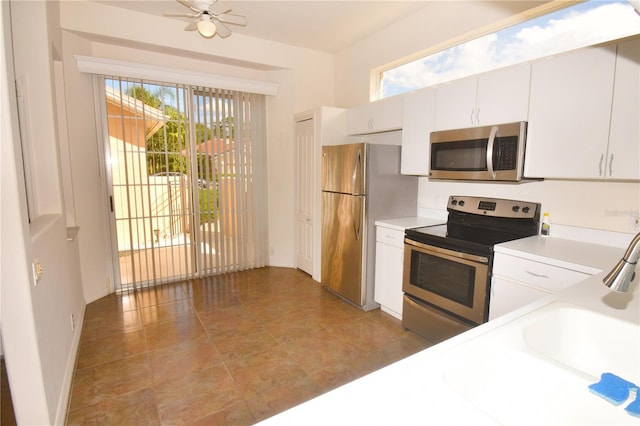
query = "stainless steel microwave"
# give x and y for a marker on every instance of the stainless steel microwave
(479, 153)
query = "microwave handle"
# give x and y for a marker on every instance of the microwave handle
(490, 146)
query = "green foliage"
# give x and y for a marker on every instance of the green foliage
(166, 148)
(208, 200)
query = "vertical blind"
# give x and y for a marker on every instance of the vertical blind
(187, 179)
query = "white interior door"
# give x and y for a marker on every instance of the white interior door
(305, 142)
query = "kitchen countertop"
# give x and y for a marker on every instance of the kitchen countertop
(578, 256)
(401, 224)
(425, 388)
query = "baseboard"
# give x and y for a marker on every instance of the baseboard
(65, 393)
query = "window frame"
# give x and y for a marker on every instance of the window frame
(377, 74)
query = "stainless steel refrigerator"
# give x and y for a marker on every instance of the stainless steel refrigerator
(361, 183)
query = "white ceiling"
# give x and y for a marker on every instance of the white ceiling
(324, 25)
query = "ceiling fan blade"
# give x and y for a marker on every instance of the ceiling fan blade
(190, 6)
(181, 15)
(222, 30)
(229, 18)
(191, 27)
(218, 9)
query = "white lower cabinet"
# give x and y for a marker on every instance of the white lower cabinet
(517, 282)
(389, 268)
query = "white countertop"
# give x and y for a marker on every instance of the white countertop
(421, 389)
(403, 223)
(577, 256)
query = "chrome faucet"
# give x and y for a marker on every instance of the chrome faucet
(623, 273)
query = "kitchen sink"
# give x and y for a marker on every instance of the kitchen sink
(586, 341)
(536, 369)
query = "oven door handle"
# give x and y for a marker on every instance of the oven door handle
(440, 250)
(490, 148)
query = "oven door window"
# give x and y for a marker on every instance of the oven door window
(449, 279)
(452, 281)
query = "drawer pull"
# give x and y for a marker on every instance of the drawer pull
(537, 275)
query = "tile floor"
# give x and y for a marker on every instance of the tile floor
(231, 349)
(7, 416)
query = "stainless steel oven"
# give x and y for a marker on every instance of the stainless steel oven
(452, 280)
(447, 268)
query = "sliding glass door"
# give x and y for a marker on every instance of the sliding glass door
(182, 181)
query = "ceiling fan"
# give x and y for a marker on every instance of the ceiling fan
(211, 17)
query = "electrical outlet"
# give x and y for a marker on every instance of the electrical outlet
(37, 270)
(634, 222)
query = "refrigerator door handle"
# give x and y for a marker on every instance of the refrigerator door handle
(356, 212)
(356, 173)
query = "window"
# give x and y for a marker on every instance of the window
(186, 180)
(580, 25)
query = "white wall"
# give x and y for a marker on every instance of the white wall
(305, 79)
(20, 345)
(38, 340)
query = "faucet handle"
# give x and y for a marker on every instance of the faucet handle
(619, 278)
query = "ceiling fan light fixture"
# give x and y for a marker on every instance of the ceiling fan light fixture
(206, 28)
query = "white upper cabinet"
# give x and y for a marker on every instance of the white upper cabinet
(379, 116)
(456, 104)
(623, 155)
(569, 114)
(417, 125)
(500, 96)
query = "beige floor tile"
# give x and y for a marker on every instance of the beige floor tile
(175, 361)
(96, 384)
(238, 415)
(226, 350)
(170, 311)
(136, 408)
(196, 395)
(111, 347)
(170, 333)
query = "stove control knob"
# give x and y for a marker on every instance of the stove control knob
(461, 203)
(515, 208)
(454, 202)
(525, 210)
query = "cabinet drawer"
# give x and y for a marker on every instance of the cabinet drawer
(389, 236)
(541, 275)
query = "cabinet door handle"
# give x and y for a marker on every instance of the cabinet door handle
(600, 166)
(537, 275)
(611, 165)
(478, 116)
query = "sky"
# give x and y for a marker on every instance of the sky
(578, 26)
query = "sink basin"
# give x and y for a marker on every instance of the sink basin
(536, 369)
(586, 341)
